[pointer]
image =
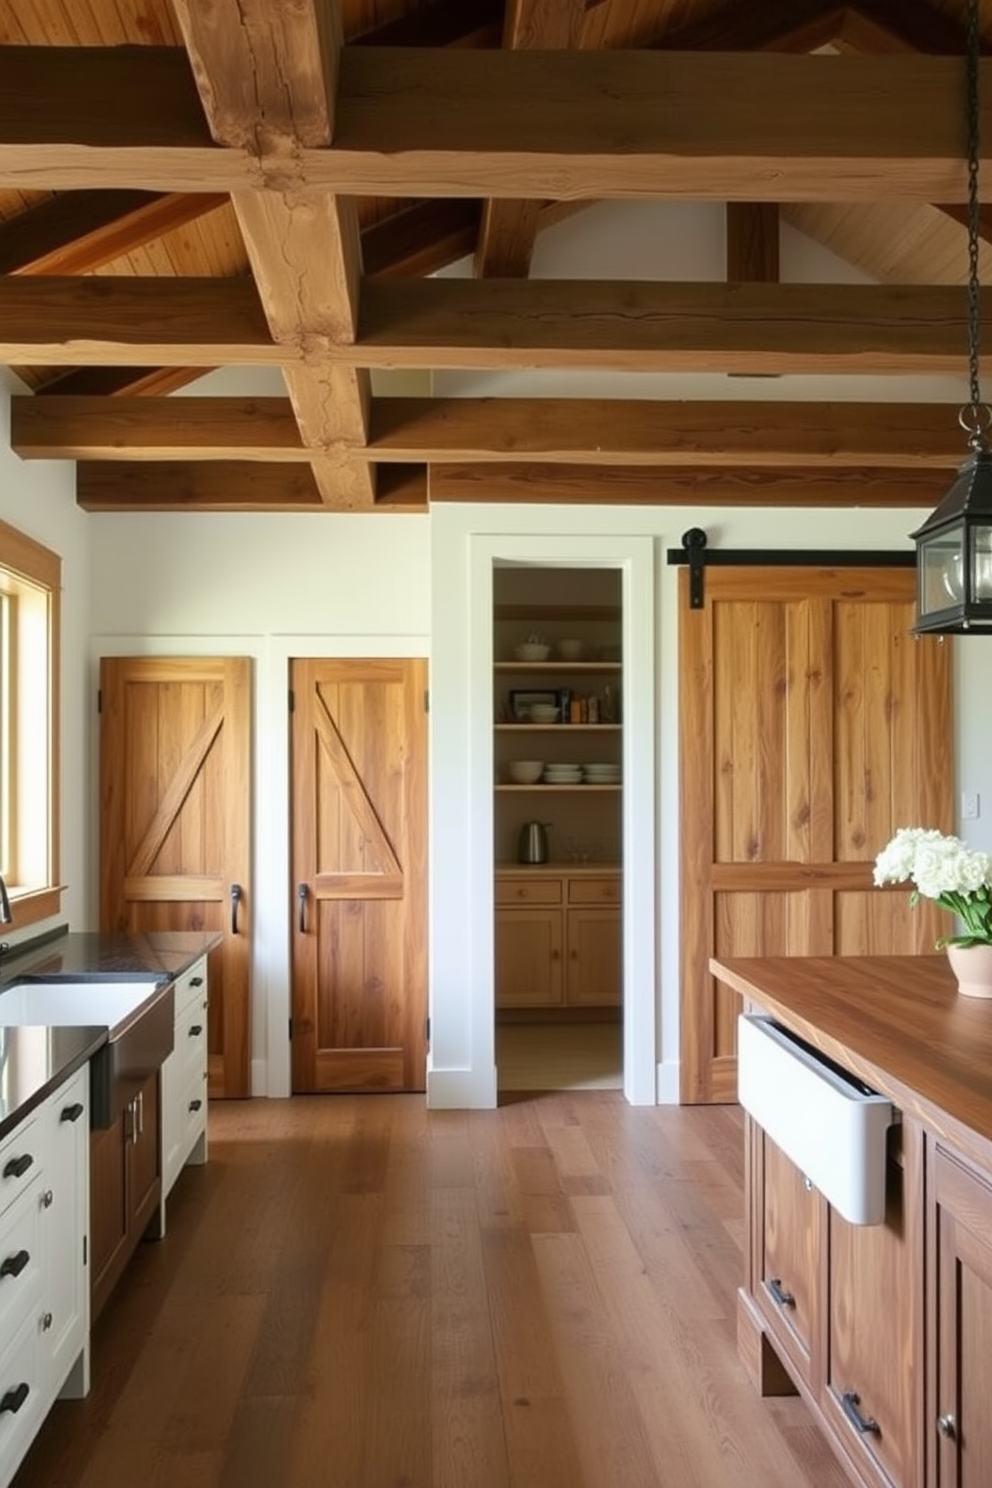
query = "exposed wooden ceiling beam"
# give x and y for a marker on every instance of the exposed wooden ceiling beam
(130, 321)
(281, 67)
(666, 486)
(463, 323)
(231, 485)
(774, 25)
(605, 432)
(419, 239)
(437, 122)
(637, 326)
(442, 23)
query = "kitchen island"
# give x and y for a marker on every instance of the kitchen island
(885, 1329)
(98, 1114)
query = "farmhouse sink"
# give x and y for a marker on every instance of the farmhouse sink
(831, 1125)
(139, 1018)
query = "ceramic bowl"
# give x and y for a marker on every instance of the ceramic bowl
(525, 772)
(571, 649)
(532, 651)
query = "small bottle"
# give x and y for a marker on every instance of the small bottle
(594, 709)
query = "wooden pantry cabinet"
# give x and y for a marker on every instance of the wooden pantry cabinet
(558, 937)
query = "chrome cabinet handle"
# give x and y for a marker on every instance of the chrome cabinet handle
(140, 1103)
(236, 893)
(301, 895)
(947, 1426)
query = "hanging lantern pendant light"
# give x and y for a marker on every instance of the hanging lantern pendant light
(954, 545)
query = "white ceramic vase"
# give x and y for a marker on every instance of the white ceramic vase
(972, 965)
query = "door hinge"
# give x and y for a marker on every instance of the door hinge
(84, 1249)
(292, 701)
(99, 700)
(427, 700)
(290, 1030)
(427, 1029)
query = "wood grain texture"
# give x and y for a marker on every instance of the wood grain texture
(895, 1020)
(356, 1291)
(793, 778)
(175, 762)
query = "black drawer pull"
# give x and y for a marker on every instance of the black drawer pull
(195, 1030)
(14, 1265)
(73, 1112)
(18, 1166)
(196, 981)
(195, 1105)
(782, 1297)
(12, 1400)
(862, 1424)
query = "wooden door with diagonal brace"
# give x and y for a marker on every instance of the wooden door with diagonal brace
(175, 814)
(359, 892)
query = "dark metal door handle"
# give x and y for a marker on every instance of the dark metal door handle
(18, 1166)
(862, 1424)
(301, 894)
(236, 892)
(782, 1296)
(14, 1265)
(12, 1400)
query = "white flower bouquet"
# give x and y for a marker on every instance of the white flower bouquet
(945, 870)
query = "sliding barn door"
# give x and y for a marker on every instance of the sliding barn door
(175, 813)
(359, 893)
(812, 725)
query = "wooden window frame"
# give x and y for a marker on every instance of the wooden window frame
(30, 573)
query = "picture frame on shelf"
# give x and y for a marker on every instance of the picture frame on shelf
(521, 701)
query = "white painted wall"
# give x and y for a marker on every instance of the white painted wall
(272, 587)
(269, 587)
(40, 500)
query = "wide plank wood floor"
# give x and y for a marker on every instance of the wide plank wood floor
(360, 1293)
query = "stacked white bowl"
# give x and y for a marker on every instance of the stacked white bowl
(562, 774)
(601, 774)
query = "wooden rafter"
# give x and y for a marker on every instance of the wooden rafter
(462, 323)
(509, 228)
(599, 432)
(425, 122)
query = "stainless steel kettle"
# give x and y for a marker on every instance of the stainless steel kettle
(533, 846)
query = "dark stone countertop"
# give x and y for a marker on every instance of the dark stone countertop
(34, 1061)
(158, 955)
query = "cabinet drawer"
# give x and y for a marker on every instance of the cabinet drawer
(20, 1259)
(594, 890)
(191, 987)
(528, 890)
(21, 1160)
(191, 1042)
(193, 1112)
(22, 1398)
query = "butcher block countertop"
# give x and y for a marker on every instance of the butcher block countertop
(896, 1021)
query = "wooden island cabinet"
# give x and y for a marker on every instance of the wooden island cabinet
(885, 1329)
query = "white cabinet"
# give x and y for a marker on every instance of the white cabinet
(184, 1080)
(44, 1281)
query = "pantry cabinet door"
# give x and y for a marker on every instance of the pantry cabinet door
(812, 725)
(175, 813)
(359, 863)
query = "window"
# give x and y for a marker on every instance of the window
(30, 591)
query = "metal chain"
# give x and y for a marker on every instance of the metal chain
(978, 415)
